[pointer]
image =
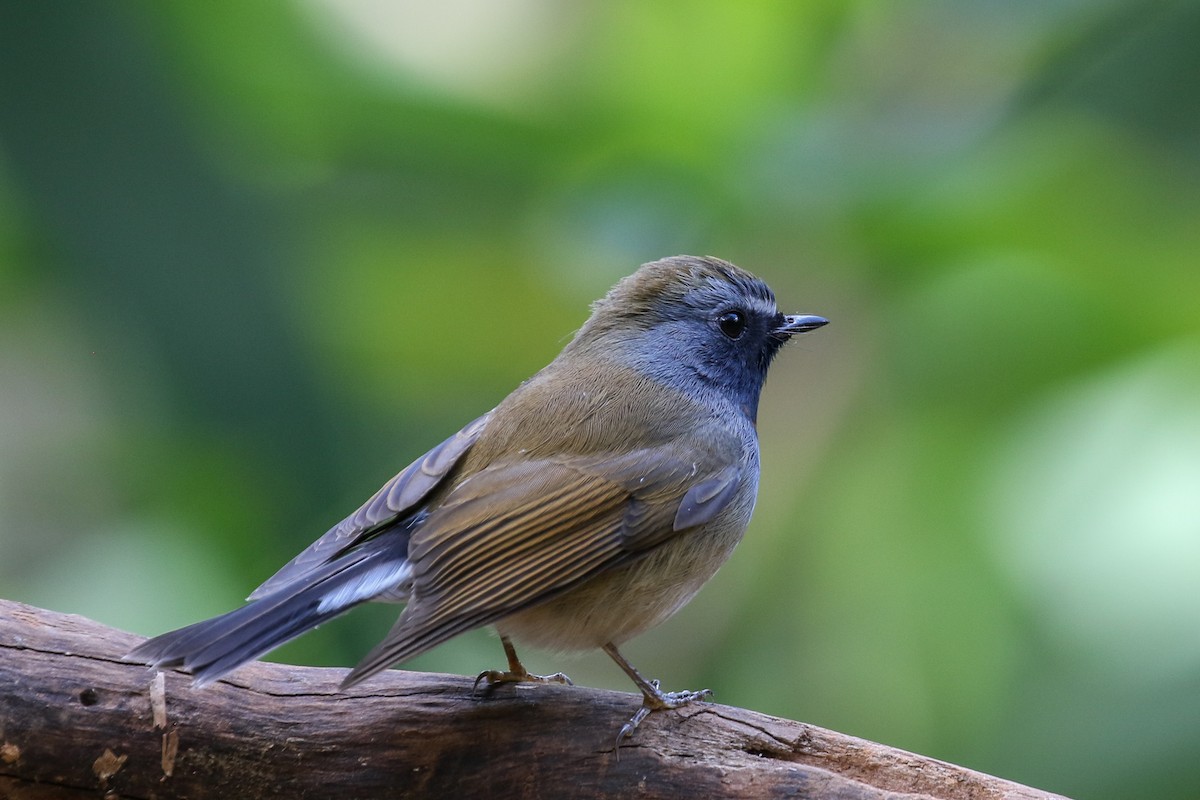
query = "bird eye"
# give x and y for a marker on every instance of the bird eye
(732, 324)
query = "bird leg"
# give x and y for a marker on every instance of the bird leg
(653, 698)
(516, 672)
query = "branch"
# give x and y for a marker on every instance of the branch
(75, 720)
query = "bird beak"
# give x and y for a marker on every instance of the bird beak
(799, 323)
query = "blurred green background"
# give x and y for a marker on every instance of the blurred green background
(255, 257)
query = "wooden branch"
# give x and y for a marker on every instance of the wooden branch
(76, 721)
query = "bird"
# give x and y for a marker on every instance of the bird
(586, 508)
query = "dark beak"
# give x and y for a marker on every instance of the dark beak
(799, 323)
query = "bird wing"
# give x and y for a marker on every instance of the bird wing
(516, 534)
(399, 497)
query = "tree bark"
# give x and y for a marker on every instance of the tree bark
(77, 721)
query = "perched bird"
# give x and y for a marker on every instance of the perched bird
(586, 508)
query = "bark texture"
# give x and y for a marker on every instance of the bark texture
(77, 721)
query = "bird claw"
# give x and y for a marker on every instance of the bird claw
(659, 701)
(629, 727)
(494, 677)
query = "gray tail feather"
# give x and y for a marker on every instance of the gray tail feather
(216, 646)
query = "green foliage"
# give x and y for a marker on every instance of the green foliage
(254, 257)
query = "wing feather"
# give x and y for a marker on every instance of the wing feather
(396, 499)
(518, 534)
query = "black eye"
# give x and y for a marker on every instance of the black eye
(732, 324)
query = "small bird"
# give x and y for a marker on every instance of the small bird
(586, 508)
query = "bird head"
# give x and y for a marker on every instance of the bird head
(694, 324)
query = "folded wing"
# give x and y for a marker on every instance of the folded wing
(515, 535)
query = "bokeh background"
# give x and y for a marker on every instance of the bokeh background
(255, 257)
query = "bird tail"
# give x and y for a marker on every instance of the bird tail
(216, 646)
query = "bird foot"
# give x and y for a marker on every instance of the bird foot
(491, 678)
(657, 700)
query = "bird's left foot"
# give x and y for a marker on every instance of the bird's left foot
(492, 678)
(658, 700)
(516, 672)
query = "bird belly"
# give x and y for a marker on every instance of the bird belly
(617, 605)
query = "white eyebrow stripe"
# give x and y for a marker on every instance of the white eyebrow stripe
(760, 306)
